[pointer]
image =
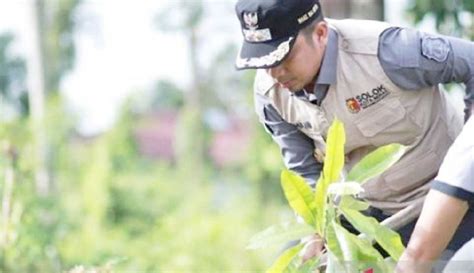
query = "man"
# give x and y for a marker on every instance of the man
(381, 81)
(451, 196)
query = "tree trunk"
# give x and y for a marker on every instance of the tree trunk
(36, 96)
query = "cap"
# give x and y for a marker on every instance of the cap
(270, 28)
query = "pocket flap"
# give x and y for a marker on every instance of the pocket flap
(376, 120)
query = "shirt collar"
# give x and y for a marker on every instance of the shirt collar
(327, 72)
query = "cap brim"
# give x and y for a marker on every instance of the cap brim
(264, 55)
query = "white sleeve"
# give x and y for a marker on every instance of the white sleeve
(456, 175)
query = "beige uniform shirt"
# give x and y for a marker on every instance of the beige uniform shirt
(375, 112)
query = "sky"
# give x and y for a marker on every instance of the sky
(120, 51)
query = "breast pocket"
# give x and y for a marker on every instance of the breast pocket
(387, 122)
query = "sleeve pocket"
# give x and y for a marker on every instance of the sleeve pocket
(409, 49)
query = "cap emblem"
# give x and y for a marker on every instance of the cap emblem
(267, 60)
(251, 20)
(252, 34)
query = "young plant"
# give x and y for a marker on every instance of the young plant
(321, 211)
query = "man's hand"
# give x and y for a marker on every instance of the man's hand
(313, 247)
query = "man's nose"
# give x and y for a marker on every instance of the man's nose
(276, 72)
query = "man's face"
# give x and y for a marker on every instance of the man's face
(303, 62)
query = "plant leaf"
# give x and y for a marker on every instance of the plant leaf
(357, 254)
(368, 257)
(345, 188)
(333, 265)
(341, 246)
(376, 162)
(299, 196)
(346, 246)
(320, 201)
(280, 234)
(310, 266)
(334, 160)
(352, 203)
(280, 265)
(388, 239)
(333, 164)
(390, 264)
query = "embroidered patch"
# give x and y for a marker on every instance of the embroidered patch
(366, 99)
(251, 20)
(435, 48)
(304, 125)
(308, 15)
(257, 35)
(267, 60)
(353, 105)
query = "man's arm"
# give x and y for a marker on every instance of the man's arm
(439, 219)
(296, 148)
(414, 60)
(445, 205)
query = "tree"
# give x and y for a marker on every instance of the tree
(52, 28)
(167, 96)
(447, 15)
(12, 77)
(186, 17)
(58, 22)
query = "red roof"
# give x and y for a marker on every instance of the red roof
(155, 137)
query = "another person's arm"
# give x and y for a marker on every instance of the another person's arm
(436, 226)
(446, 204)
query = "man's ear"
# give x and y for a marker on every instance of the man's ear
(321, 32)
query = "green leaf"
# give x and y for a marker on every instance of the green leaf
(376, 162)
(320, 201)
(346, 249)
(352, 203)
(368, 256)
(333, 164)
(310, 266)
(341, 246)
(334, 160)
(354, 253)
(388, 239)
(333, 265)
(390, 264)
(299, 196)
(281, 264)
(345, 188)
(280, 234)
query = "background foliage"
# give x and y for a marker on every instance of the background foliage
(112, 207)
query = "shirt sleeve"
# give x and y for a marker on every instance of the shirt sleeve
(296, 148)
(456, 174)
(415, 60)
